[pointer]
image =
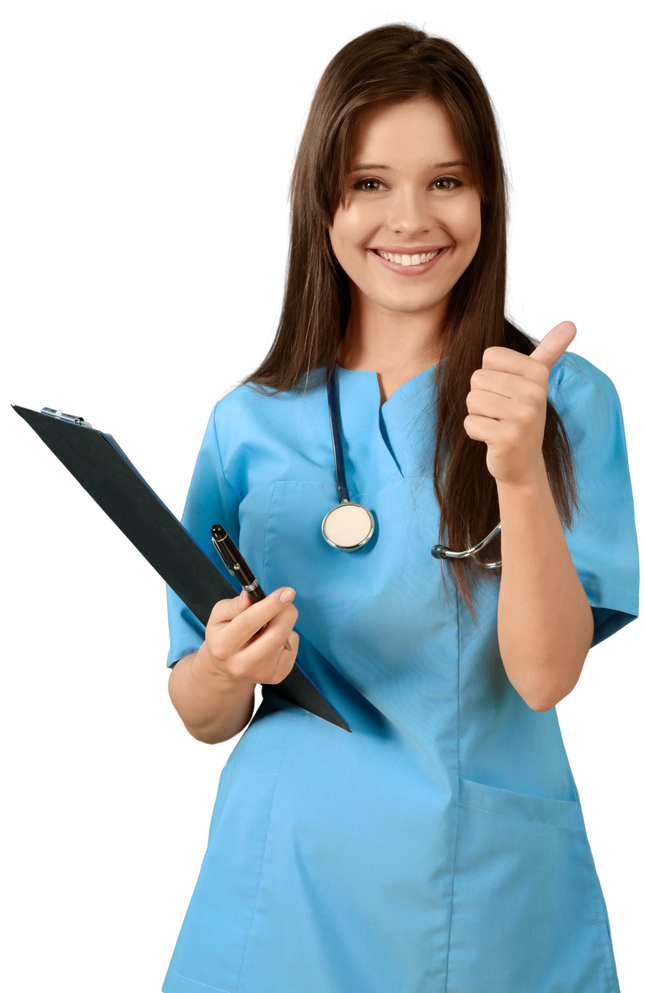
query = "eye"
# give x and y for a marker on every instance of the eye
(444, 179)
(448, 179)
(359, 185)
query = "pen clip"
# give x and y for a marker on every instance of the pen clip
(225, 557)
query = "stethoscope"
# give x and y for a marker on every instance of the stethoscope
(350, 525)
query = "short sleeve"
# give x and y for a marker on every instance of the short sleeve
(602, 541)
(210, 500)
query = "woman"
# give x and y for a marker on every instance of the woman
(441, 845)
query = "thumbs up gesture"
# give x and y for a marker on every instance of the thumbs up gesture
(507, 405)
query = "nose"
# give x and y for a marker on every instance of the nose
(411, 213)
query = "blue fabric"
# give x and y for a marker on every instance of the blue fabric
(441, 847)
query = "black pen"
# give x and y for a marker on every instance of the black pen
(235, 563)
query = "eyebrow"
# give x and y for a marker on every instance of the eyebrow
(437, 165)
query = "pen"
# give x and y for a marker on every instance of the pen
(237, 566)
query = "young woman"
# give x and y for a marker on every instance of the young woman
(441, 845)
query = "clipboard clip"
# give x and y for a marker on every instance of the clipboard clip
(65, 415)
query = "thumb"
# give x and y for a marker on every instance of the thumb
(555, 343)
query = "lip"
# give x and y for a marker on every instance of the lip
(406, 249)
(408, 270)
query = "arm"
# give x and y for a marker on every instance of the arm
(212, 708)
(211, 753)
(544, 621)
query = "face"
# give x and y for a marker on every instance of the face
(411, 221)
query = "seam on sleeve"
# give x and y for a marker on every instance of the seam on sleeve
(219, 451)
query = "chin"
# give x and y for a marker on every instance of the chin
(404, 304)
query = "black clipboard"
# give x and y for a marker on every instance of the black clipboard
(104, 470)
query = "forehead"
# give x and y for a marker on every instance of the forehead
(414, 128)
(393, 109)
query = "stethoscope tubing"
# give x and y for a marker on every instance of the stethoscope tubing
(442, 552)
(337, 445)
(437, 551)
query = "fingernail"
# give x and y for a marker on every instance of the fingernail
(287, 595)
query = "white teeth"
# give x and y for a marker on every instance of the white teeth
(407, 260)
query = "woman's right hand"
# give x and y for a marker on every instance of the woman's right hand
(236, 647)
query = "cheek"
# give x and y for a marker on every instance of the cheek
(347, 224)
(466, 228)
(473, 224)
(336, 232)
(347, 235)
(336, 241)
(338, 235)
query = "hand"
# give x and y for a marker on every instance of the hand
(237, 647)
(507, 405)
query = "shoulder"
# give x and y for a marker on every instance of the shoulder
(250, 405)
(574, 380)
(243, 398)
(588, 402)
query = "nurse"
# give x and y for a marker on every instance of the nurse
(441, 846)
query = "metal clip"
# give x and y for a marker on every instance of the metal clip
(69, 418)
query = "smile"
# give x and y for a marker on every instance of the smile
(408, 265)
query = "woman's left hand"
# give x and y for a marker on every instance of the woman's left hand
(507, 405)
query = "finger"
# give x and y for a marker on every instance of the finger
(273, 634)
(486, 429)
(230, 637)
(555, 343)
(285, 662)
(231, 610)
(242, 602)
(527, 384)
(226, 610)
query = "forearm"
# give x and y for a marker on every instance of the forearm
(212, 708)
(545, 624)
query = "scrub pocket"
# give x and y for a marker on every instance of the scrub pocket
(528, 912)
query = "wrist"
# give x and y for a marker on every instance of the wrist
(206, 665)
(533, 480)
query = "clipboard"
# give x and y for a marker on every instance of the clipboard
(102, 468)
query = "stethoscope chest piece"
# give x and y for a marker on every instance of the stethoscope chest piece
(348, 526)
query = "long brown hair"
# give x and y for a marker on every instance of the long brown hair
(389, 64)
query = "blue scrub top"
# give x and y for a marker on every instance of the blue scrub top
(440, 847)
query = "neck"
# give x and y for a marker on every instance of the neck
(390, 355)
(396, 344)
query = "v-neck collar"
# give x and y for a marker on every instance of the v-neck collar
(389, 440)
(407, 389)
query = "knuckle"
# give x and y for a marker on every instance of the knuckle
(237, 669)
(217, 650)
(248, 623)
